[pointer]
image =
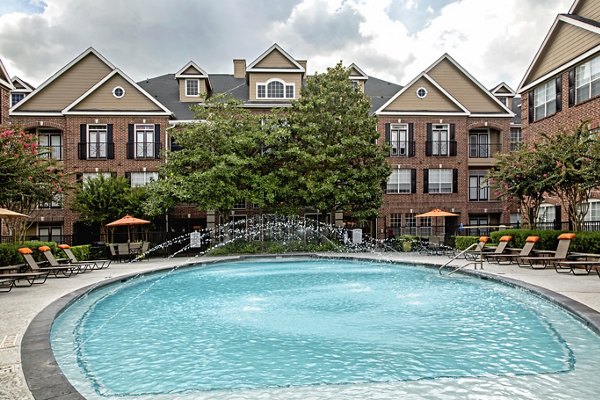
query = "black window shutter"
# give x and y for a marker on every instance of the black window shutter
(425, 181)
(455, 181)
(82, 142)
(413, 180)
(429, 139)
(411, 140)
(558, 82)
(110, 146)
(387, 133)
(572, 87)
(558, 216)
(452, 143)
(130, 140)
(156, 140)
(128, 177)
(530, 105)
(79, 177)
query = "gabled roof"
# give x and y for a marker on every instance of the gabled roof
(159, 109)
(356, 73)
(588, 27)
(21, 86)
(58, 74)
(294, 66)
(451, 81)
(192, 70)
(502, 90)
(4, 78)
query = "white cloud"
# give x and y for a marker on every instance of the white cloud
(495, 40)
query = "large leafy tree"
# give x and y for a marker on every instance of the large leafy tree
(104, 199)
(572, 161)
(332, 160)
(28, 178)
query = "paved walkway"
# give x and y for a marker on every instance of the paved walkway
(21, 305)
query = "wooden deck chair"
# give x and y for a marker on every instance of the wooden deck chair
(58, 272)
(94, 264)
(541, 261)
(526, 251)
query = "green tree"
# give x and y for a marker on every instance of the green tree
(28, 178)
(332, 161)
(519, 177)
(572, 163)
(104, 199)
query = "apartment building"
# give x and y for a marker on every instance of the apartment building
(561, 89)
(443, 130)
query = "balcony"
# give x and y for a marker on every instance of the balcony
(483, 154)
(96, 150)
(143, 150)
(440, 148)
(402, 148)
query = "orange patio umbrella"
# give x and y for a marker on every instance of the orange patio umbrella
(127, 221)
(4, 213)
(436, 212)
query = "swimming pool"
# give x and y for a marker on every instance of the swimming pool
(322, 329)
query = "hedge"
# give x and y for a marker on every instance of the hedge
(584, 242)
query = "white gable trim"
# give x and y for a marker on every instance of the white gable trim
(251, 67)
(60, 72)
(574, 6)
(202, 74)
(409, 85)
(362, 76)
(8, 83)
(505, 86)
(429, 113)
(464, 71)
(560, 69)
(154, 113)
(35, 113)
(116, 71)
(27, 87)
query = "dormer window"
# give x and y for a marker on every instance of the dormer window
(192, 87)
(16, 97)
(275, 89)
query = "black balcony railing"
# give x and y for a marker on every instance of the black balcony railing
(143, 150)
(96, 150)
(440, 147)
(484, 150)
(402, 148)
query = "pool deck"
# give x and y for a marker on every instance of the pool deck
(20, 306)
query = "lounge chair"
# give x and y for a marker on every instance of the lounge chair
(61, 271)
(543, 259)
(583, 261)
(510, 257)
(96, 264)
(500, 249)
(477, 253)
(6, 284)
(15, 272)
(54, 263)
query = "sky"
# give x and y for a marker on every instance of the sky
(394, 40)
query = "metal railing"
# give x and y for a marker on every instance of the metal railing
(484, 150)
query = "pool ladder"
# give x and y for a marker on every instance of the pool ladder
(476, 262)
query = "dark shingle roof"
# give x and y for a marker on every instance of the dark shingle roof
(166, 90)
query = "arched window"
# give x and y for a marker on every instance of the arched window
(275, 89)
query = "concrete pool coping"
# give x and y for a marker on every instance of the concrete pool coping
(35, 363)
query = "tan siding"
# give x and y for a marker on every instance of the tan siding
(354, 72)
(566, 43)
(69, 86)
(434, 101)
(239, 68)
(589, 9)
(187, 99)
(259, 77)
(463, 89)
(191, 71)
(275, 60)
(102, 98)
(17, 85)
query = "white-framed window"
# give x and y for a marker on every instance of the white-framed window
(399, 181)
(93, 175)
(440, 180)
(16, 97)
(410, 220)
(240, 204)
(478, 187)
(50, 234)
(398, 140)
(97, 137)
(56, 202)
(593, 211)
(440, 139)
(144, 141)
(544, 100)
(118, 92)
(515, 138)
(142, 178)
(192, 87)
(587, 80)
(546, 215)
(515, 219)
(421, 92)
(275, 89)
(51, 141)
(479, 144)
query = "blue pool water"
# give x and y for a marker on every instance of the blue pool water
(281, 329)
